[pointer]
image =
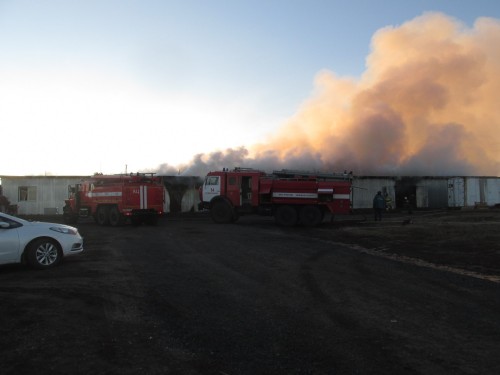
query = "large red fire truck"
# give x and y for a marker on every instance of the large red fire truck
(112, 199)
(292, 197)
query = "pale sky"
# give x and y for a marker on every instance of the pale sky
(103, 86)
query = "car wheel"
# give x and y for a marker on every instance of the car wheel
(43, 253)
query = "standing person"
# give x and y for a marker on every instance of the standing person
(407, 206)
(388, 202)
(378, 206)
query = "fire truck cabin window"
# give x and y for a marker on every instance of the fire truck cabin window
(213, 180)
(232, 180)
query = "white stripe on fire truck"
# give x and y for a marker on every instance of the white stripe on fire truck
(294, 195)
(91, 194)
(144, 197)
(323, 191)
(307, 195)
(341, 196)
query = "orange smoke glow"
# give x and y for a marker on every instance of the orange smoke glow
(427, 104)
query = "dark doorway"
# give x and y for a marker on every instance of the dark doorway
(406, 188)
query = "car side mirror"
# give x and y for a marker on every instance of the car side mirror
(4, 225)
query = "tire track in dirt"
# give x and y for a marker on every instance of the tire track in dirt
(380, 252)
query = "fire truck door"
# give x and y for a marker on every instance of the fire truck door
(211, 188)
(246, 190)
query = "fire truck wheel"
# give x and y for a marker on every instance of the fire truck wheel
(286, 216)
(236, 217)
(115, 217)
(311, 216)
(103, 215)
(221, 212)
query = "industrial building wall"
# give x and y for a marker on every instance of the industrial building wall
(492, 191)
(482, 191)
(41, 195)
(473, 191)
(364, 190)
(423, 192)
(456, 192)
(432, 192)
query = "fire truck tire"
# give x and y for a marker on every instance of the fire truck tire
(311, 216)
(102, 215)
(221, 212)
(286, 216)
(115, 217)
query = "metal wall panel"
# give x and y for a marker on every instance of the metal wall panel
(432, 192)
(456, 192)
(51, 191)
(364, 189)
(482, 191)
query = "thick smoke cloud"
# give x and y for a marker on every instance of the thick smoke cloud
(426, 105)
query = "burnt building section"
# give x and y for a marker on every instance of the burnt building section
(427, 191)
(421, 192)
(181, 193)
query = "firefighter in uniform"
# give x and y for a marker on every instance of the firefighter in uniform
(378, 206)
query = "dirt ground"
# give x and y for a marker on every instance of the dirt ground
(412, 294)
(467, 240)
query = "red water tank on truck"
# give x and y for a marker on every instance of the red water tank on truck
(112, 199)
(292, 197)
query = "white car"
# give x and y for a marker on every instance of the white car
(39, 244)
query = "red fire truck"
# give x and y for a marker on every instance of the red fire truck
(292, 197)
(112, 199)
